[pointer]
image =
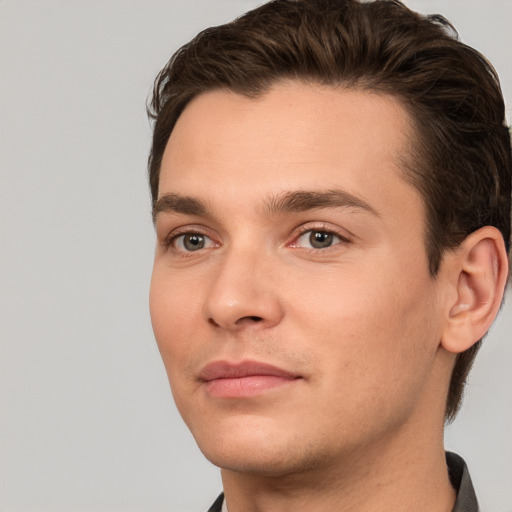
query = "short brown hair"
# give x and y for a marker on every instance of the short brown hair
(460, 159)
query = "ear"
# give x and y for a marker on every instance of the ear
(478, 271)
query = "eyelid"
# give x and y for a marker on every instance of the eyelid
(344, 235)
(175, 233)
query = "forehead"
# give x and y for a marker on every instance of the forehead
(295, 136)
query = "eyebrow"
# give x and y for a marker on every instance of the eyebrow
(289, 202)
(176, 203)
(300, 201)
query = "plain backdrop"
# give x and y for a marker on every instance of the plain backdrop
(87, 421)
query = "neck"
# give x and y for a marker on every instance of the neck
(407, 471)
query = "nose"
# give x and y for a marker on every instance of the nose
(244, 293)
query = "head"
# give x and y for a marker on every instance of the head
(457, 155)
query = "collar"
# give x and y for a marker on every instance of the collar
(461, 481)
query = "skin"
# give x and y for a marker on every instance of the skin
(360, 322)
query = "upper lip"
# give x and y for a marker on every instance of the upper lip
(228, 370)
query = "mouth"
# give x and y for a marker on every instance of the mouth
(245, 379)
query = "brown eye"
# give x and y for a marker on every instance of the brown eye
(193, 242)
(190, 242)
(318, 239)
(321, 239)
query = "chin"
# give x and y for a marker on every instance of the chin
(266, 453)
(248, 448)
(261, 462)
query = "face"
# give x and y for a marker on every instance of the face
(290, 297)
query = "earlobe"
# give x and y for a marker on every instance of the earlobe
(480, 265)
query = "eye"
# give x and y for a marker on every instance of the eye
(190, 242)
(317, 239)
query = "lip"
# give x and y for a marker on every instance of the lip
(245, 379)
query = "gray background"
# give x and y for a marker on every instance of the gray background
(86, 416)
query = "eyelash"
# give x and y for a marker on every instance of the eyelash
(192, 230)
(321, 228)
(175, 235)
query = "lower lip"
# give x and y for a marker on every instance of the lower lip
(252, 385)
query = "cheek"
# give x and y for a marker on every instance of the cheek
(174, 306)
(373, 333)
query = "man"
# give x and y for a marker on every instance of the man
(331, 187)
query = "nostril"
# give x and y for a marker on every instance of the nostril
(250, 318)
(241, 321)
(211, 321)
